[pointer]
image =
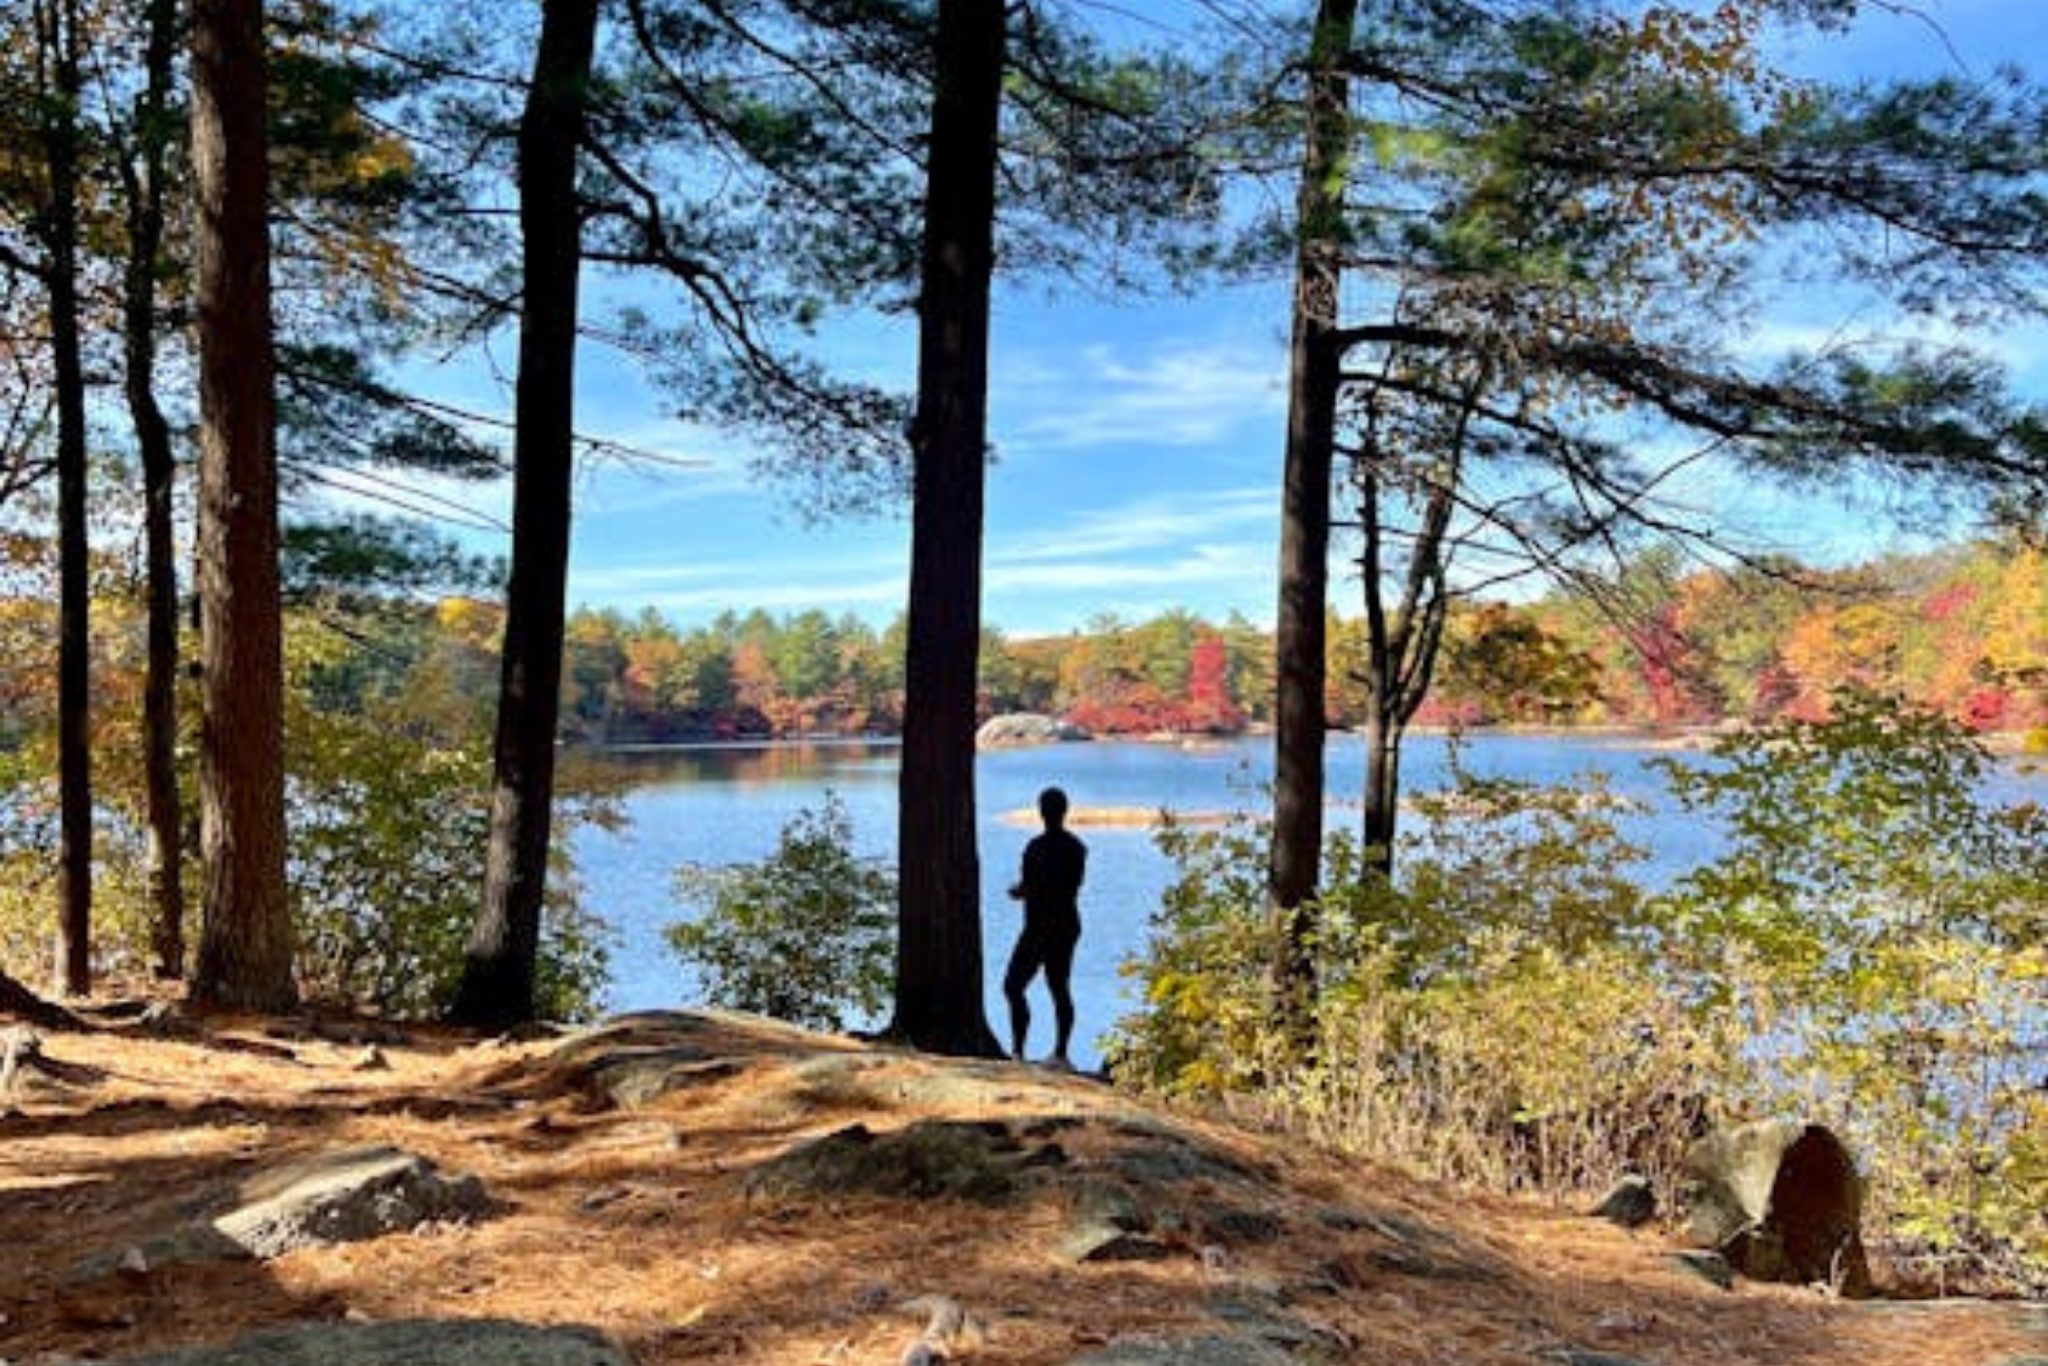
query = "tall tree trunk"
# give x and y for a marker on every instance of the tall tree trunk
(1382, 789)
(1315, 362)
(59, 42)
(938, 953)
(498, 977)
(245, 946)
(143, 172)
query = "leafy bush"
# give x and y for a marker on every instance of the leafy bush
(387, 807)
(1891, 924)
(1491, 1017)
(1868, 949)
(388, 831)
(806, 935)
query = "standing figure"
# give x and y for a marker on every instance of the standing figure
(1050, 888)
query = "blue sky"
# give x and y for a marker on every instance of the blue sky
(1138, 443)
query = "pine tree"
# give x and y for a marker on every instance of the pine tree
(245, 949)
(498, 977)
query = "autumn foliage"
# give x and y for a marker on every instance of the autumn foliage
(1962, 630)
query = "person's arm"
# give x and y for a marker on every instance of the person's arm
(1023, 881)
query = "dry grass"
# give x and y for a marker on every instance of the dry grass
(638, 1222)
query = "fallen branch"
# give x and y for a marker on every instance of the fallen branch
(18, 1001)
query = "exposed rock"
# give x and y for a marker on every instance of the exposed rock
(634, 1060)
(642, 1029)
(1408, 1248)
(347, 1197)
(27, 1073)
(1107, 1243)
(1168, 1158)
(1631, 1204)
(1579, 1356)
(349, 1032)
(1264, 1318)
(868, 1081)
(21, 1049)
(1439, 1261)
(199, 1242)
(630, 1080)
(1204, 1351)
(1101, 1201)
(1025, 728)
(1110, 1225)
(950, 1331)
(982, 1162)
(1782, 1202)
(1710, 1267)
(1233, 1226)
(403, 1342)
(168, 1020)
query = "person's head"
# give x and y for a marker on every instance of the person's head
(1052, 807)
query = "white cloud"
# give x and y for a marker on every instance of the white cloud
(1199, 564)
(1144, 525)
(1174, 396)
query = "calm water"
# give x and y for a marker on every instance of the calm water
(728, 804)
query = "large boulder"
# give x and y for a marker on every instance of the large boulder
(1780, 1200)
(1025, 728)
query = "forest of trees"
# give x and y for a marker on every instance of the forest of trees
(229, 227)
(1961, 631)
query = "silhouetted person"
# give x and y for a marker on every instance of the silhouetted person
(1050, 888)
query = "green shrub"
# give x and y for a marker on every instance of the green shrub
(1867, 949)
(388, 832)
(1207, 1027)
(1490, 1017)
(1890, 927)
(387, 806)
(28, 884)
(806, 934)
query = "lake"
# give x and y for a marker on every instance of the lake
(728, 803)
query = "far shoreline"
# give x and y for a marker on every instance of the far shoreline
(2001, 744)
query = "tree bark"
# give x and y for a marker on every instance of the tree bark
(1315, 366)
(59, 42)
(1402, 645)
(498, 975)
(939, 1004)
(18, 1001)
(144, 172)
(245, 948)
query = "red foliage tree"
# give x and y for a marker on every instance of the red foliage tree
(1210, 706)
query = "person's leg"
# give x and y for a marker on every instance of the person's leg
(1024, 961)
(1059, 969)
